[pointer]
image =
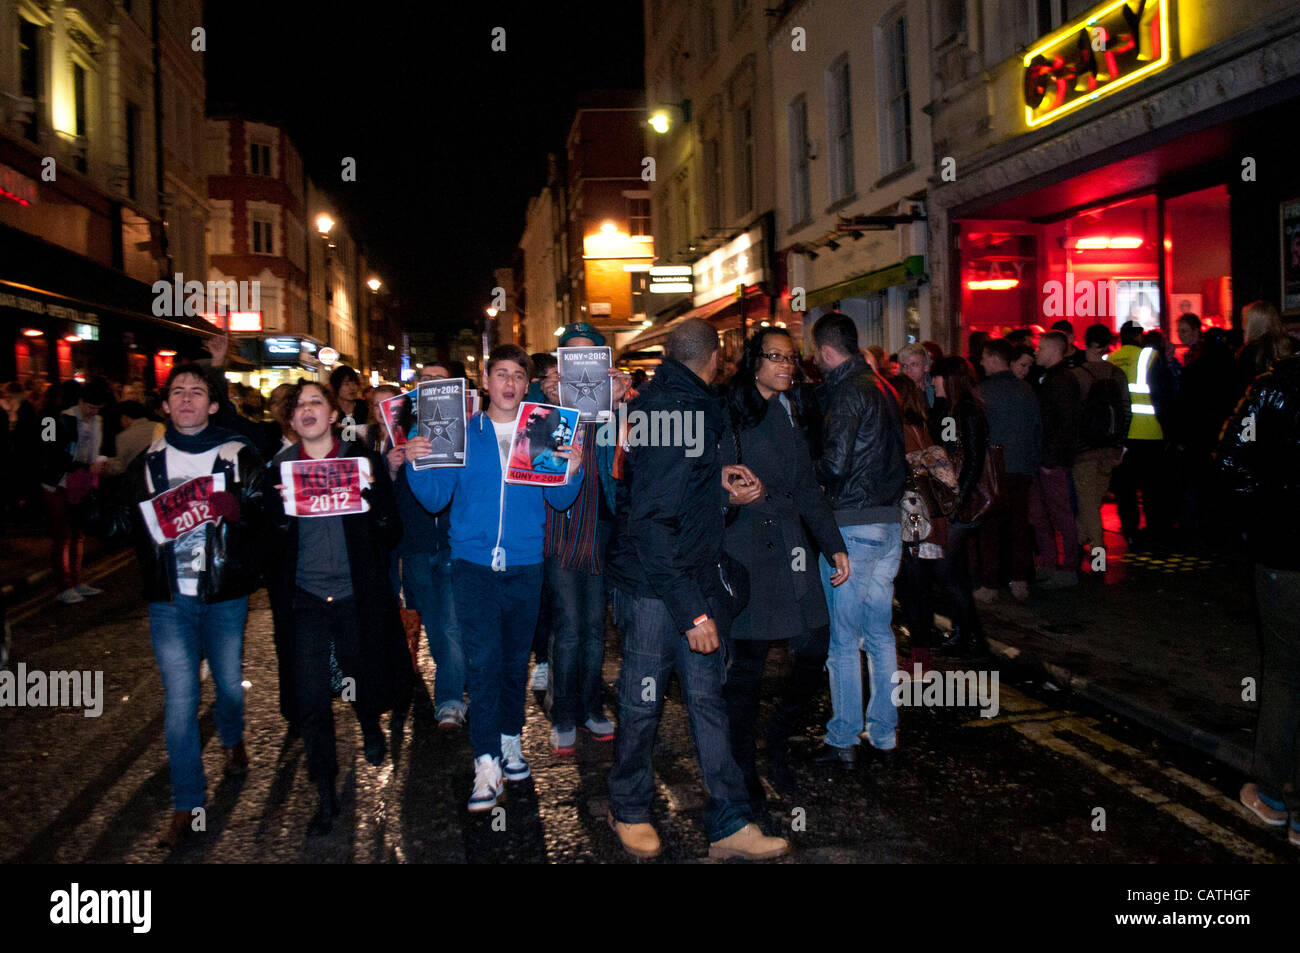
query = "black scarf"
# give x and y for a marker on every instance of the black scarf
(206, 439)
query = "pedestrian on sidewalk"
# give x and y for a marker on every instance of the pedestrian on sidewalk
(960, 425)
(1103, 425)
(496, 535)
(1051, 507)
(1259, 456)
(670, 604)
(771, 538)
(333, 573)
(67, 479)
(576, 550)
(863, 468)
(1144, 467)
(1014, 422)
(198, 578)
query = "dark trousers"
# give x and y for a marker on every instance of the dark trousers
(1277, 742)
(1012, 518)
(317, 625)
(497, 612)
(802, 682)
(652, 650)
(69, 542)
(577, 643)
(1143, 471)
(282, 626)
(918, 579)
(541, 644)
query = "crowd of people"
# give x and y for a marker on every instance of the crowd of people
(828, 489)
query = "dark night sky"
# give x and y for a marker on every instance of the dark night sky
(450, 137)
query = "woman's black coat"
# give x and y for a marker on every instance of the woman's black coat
(771, 535)
(377, 653)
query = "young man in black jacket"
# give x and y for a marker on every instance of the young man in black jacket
(862, 469)
(188, 502)
(1050, 510)
(668, 596)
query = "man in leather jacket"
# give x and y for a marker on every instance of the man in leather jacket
(187, 503)
(862, 469)
(1259, 459)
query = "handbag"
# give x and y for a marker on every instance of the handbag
(987, 494)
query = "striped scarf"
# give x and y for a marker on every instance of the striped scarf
(571, 534)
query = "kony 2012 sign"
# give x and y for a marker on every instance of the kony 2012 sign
(329, 487)
(1112, 47)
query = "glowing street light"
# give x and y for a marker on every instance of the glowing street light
(491, 312)
(374, 284)
(324, 223)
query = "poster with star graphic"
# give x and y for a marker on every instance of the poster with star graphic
(541, 430)
(584, 381)
(440, 416)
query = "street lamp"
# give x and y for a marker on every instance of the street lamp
(374, 284)
(324, 223)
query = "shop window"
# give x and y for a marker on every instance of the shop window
(1198, 259)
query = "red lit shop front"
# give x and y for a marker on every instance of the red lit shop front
(1145, 258)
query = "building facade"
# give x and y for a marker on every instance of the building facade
(102, 192)
(1112, 162)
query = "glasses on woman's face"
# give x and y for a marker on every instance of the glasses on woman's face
(776, 358)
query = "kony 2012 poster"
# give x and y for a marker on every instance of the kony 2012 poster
(329, 487)
(177, 511)
(440, 416)
(540, 430)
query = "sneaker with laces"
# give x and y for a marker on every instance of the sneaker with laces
(487, 783)
(513, 765)
(85, 590)
(1271, 812)
(541, 677)
(602, 729)
(564, 740)
(69, 597)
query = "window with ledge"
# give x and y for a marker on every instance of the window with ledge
(896, 141)
(949, 20)
(713, 182)
(259, 158)
(800, 187)
(638, 216)
(79, 115)
(839, 124)
(132, 150)
(263, 229)
(29, 74)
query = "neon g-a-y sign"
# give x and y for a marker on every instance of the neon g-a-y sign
(1114, 46)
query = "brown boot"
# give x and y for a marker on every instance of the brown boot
(236, 760)
(176, 830)
(749, 843)
(639, 840)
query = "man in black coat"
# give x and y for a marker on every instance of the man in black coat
(668, 596)
(1050, 509)
(862, 468)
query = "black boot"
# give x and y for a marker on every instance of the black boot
(957, 644)
(322, 822)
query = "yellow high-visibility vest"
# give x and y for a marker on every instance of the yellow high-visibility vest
(1135, 362)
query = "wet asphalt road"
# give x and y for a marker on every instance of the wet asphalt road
(1025, 786)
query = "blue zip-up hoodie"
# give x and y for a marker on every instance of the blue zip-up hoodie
(476, 493)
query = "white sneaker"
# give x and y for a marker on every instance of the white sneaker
(514, 767)
(487, 783)
(69, 597)
(541, 677)
(85, 590)
(564, 740)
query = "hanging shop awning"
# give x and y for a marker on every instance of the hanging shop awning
(658, 334)
(869, 283)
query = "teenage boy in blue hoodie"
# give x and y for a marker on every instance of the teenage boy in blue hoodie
(496, 549)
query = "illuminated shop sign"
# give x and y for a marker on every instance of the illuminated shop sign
(282, 350)
(739, 262)
(1114, 46)
(671, 279)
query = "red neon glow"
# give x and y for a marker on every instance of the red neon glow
(994, 284)
(1100, 242)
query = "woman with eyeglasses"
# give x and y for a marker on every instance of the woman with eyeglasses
(769, 538)
(345, 634)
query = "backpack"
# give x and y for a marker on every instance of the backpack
(1100, 423)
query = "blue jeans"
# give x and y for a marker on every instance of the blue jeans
(577, 643)
(860, 611)
(184, 631)
(652, 648)
(497, 612)
(427, 578)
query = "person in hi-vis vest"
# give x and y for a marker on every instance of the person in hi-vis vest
(1143, 467)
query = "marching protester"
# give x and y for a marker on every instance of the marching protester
(198, 550)
(769, 538)
(1104, 421)
(66, 479)
(1260, 457)
(1051, 508)
(966, 443)
(862, 468)
(346, 387)
(496, 531)
(1014, 423)
(544, 388)
(576, 549)
(331, 572)
(671, 607)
